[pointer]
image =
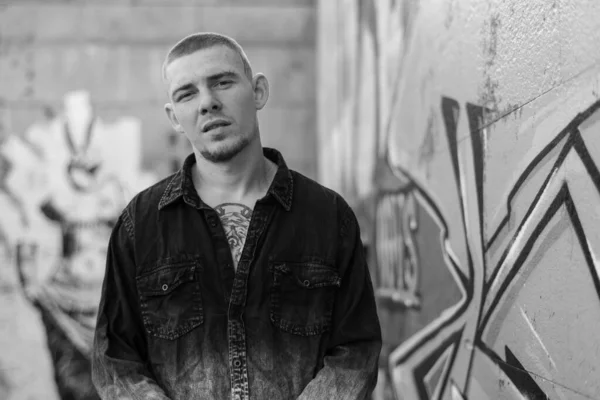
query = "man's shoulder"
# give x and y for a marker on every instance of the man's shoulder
(318, 204)
(148, 200)
(307, 190)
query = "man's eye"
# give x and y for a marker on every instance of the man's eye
(184, 96)
(224, 83)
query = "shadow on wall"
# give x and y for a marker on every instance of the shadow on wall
(65, 181)
(481, 213)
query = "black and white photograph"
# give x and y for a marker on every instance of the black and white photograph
(299, 199)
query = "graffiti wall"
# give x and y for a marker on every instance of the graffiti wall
(63, 184)
(466, 135)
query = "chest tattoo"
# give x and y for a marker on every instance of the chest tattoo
(236, 220)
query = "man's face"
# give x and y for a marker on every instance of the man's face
(213, 102)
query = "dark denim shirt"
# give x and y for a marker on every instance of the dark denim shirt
(297, 319)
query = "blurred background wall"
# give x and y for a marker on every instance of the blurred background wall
(466, 135)
(114, 49)
(81, 91)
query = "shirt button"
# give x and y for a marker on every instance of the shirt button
(165, 287)
(307, 283)
(237, 363)
(213, 222)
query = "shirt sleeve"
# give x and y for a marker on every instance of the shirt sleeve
(119, 367)
(351, 361)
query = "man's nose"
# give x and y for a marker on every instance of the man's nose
(209, 103)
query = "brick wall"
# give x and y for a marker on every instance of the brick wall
(115, 50)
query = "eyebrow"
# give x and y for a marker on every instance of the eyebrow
(210, 79)
(221, 75)
(182, 88)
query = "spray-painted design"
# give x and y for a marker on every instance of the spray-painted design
(482, 202)
(69, 179)
(507, 345)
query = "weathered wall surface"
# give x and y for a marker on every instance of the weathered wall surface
(467, 135)
(68, 167)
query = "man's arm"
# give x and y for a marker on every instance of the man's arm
(119, 367)
(351, 360)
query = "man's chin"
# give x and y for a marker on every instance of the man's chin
(223, 153)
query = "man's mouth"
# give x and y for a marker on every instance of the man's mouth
(214, 124)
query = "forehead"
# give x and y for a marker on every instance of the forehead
(204, 63)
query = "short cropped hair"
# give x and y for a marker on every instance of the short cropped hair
(204, 40)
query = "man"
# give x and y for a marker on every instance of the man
(235, 277)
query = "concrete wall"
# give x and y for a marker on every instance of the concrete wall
(53, 235)
(467, 136)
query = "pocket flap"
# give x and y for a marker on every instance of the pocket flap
(310, 275)
(165, 280)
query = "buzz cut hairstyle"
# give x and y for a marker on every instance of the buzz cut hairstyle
(204, 40)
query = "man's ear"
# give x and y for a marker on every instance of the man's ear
(260, 84)
(173, 118)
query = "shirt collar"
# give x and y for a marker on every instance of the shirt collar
(181, 185)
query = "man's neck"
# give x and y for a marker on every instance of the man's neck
(243, 180)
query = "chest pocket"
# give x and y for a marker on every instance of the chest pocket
(171, 299)
(302, 297)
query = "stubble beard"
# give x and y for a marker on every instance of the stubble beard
(227, 152)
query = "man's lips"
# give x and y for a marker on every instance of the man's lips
(217, 123)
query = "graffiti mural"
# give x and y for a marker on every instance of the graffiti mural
(65, 181)
(482, 189)
(507, 345)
